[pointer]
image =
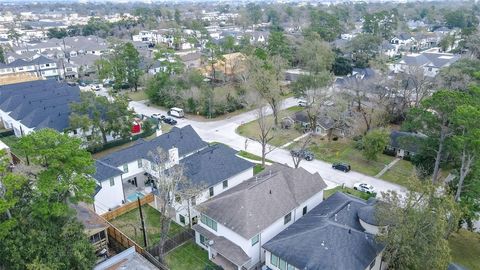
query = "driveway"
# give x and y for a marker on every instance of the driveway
(223, 131)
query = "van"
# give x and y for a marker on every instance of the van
(176, 112)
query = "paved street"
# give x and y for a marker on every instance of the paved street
(224, 131)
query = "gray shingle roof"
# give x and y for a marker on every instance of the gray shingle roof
(328, 237)
(255, 204)
(213, 165)
(185, 139)
(406, 140)
(105, 171)
(39, 104)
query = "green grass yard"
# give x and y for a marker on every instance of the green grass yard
(342, 150)
(137, 96)
(188, 256)
(465, 249)
(280, 136)
(329, 192)
(129, 223)
(400, 173)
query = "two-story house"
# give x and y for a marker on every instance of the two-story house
(337, 234)
(39, 67)
(235, 224)
(130, 173)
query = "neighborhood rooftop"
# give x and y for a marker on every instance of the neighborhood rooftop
(330, 236)
(256, 203)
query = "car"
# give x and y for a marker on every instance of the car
(302, 103)
(364, 188)
(305, 154)
(170, 121)
(96, 87)
(157, 116)
(341, 167)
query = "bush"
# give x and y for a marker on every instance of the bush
(390, 152)
(358, 144)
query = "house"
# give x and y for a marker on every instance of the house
(236, 223)
(126, 174)
(94, 226)
(430, 62)
(127, 259)
(403, 39)
(326, 125)
(339, 233)
(388, 49)
(39, 66)
(29, 106)
(404, 144)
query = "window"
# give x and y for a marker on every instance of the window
(210, 190)
(212, 224)
(225, 184)
(125, 168)
(304, 211)
(182, 219)
(290, 267)
(139, 163)
(282, 264)
(112, 181)
(203, 240)
(178, 199)
(273, 260)
(255, 239)
(287, 218)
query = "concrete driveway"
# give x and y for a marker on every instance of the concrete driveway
(224, 131)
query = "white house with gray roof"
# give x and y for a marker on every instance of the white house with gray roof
(235, 224)
(129, 173)
(430, 62)
(337, 234)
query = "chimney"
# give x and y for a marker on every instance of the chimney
(173, 155)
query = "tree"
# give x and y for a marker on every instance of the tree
(316, 56)
(324, 24)
(459, 75)
(434, 118)
(265, 129)
(178, 19)
(364, 47)
(57, 33)
(278, 44)
(416, 225)
(298, 158)
(342, 66)
(97, 117)
(373, 143)
(382, 23)
(2, 55)
(467, 141)
(263, 78)
(254, 12)
(14, 35)
(122, 65)
(38, 229)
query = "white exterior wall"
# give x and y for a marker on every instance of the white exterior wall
(109, 196)
(182, 209)
(18, 128)
(256, 253)
(133, 169)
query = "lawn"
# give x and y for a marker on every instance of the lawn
(400, 173)
(258, 169)
(12, 142)
(252, 156)
(189, 256)
(329, 192)
(280, 136)
(129, 223)
(343, 151)
(465, 249)
(137, 96)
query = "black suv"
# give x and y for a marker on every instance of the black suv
(305, 154)
(341, 167)
(170, 121)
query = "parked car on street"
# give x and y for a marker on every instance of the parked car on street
(364, 188)
(170, 121)
(305, 154)
(96, 87)
(341, 167)
(159, 117)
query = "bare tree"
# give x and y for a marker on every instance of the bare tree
(265, 128)
(298, 158)
(170, 182)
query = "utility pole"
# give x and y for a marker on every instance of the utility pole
(143, 222)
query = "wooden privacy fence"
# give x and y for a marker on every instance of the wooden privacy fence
(128, 207)
(173, 242)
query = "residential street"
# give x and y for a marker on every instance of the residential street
(224, 131)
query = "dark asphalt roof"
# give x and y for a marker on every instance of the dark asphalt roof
(213, 165)
(328, 237)
(23, 63)
(258, 202)
(39, 104)
(105, 171)
(185, 139)
(406, 140)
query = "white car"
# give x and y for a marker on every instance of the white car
(96, 87)
(364, 188)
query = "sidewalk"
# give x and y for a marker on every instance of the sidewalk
(390, 165)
